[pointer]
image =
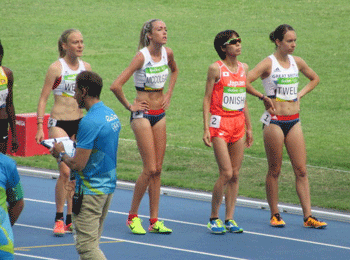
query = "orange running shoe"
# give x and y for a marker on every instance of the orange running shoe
(277, 221)
(68, 228)
(58, 229)
(312, 222)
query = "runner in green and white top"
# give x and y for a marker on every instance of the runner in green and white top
(153, 75)
(150, 70)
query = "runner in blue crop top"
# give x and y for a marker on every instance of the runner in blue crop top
(65, 114)
(150, 68)
(279, 73)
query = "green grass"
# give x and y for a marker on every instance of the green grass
(30, 30)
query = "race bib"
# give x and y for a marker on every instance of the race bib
(266, 118)
(215, 121)
(137, 114)
(52, 122)
(156, 77)
(69, 86)
(233, 98)
(287, 89)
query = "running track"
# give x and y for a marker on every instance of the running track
(187, 214)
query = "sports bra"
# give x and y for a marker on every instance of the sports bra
(65, 84)
(153, 75)
(3, 88)
(282, 83)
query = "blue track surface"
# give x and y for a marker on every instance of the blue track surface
(190, 239)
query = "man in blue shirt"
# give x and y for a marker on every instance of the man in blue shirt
(93, 165)
(11, 193)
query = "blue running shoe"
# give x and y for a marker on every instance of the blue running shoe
(216, 226)
(231, 226)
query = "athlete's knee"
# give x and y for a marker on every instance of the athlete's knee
(300, 172)
(235, 176)
(150, 172)
(273, 173)
(227, 175)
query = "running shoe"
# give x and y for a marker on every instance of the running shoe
(135, 226)
(68, 228)
(159, 227)
(277, 221)
(216, 226)
(312, 222)
(231, 226)
(58, 229)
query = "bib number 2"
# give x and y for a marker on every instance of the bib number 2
(215, 121)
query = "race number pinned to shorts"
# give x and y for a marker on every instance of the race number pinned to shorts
(266, 118)
(137, 114)
(215, 121)
(52, 122)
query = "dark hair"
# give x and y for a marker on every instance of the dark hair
(279, 32)
(1, 52)
(90, 81)
(220, 39)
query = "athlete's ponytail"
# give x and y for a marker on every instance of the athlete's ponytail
(146, 29)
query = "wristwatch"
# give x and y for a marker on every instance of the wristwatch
(60, 156)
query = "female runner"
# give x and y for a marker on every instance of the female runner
(65, 114)
(280, 77)
(150, 68)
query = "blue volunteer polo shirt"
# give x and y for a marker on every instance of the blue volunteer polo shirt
(98, 131)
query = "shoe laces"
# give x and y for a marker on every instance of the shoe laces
(218, 223)
(277, 216)
(312, 219)
(232, 222)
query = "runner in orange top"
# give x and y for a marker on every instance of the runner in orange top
(225, 99)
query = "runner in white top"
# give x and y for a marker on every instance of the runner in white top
(65, 84)
(60, 79)
(153, 75)
(150, 68)
(281, 120)
(282, 83)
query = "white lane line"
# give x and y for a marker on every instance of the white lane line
(174, 248)
(36, 257)
(205, 196)
(201, 225)
(143, 244)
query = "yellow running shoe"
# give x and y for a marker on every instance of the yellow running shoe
(277, 221)
(135, 226)
(159, 227)
(312, 222)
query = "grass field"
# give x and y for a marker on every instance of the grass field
(30, 30)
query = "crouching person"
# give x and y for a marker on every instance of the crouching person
(93, 165)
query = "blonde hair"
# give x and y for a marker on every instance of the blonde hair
(64, 39)
(146, 28)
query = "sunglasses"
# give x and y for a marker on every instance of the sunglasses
(233, 41)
